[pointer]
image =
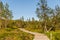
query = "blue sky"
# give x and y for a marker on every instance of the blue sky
(26, 8)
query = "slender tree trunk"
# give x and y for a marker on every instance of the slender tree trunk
(50, 29)
(45, 28)
(5, 23)
(51, 36)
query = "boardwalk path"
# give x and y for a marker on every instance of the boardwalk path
(37, 36)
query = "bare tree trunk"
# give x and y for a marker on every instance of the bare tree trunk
(5, 23)
(50, 36)
(45, 28)
(50, 29)
(0, 24)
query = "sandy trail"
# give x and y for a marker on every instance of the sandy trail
(37, 36)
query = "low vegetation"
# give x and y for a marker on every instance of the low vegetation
(14, 34)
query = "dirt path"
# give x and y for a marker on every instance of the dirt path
(37, 36)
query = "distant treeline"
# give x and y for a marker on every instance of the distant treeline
(30, 24)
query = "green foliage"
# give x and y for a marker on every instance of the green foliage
(55, 35)
(9, 29)
(5, 13)
(15, 34)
